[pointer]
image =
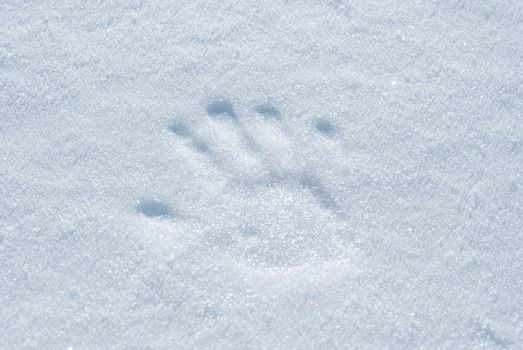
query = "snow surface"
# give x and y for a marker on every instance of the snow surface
(309, 174)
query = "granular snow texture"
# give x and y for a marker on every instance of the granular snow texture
(310, 174)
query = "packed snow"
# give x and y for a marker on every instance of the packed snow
(245, 174)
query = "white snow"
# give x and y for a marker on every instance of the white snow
(313, 174)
